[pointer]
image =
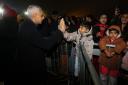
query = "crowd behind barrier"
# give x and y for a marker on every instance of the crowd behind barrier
(58, 59)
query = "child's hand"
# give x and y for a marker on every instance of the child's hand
(112, 53)
(108, 54)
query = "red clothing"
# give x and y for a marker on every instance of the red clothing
(9, 11)
(114, 47)
(102, 28)
(106, 71)
(102, 25)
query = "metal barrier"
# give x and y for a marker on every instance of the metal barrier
(88, 74)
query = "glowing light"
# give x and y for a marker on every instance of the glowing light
(1, 11)
(25, 13)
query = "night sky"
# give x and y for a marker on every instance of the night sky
(71, 7)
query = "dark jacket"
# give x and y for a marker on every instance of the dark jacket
(31, 46)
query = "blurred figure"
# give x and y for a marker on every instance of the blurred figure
(32, 46)
(100, 28)
(116, 17)
(20, 18)
(124, 29)
(99, 32)
(90, 19)
(54, 21)
(124, 26)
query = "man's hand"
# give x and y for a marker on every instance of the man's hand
(62, 26)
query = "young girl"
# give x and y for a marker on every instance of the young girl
(84, 36)
(100, 28)
(111, 47)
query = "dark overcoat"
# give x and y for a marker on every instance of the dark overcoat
(31, 51)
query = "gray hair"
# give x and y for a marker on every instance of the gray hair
(33, 9)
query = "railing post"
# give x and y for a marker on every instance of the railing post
(82, 69)
(95, 77)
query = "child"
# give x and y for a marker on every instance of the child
(111, 47)
(84, 36)
(100, 28)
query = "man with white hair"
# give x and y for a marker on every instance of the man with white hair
(32, 46)
(36, 14)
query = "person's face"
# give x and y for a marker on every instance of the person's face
(103, 19)
(83, 29)
(88, 19)
(124, 19)
(39, 17)
(113, 34)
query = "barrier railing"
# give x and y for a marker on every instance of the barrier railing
(88, 74)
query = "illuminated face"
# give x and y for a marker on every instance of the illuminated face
(124, 19)
(39, 17)
(83, 29)
(103, 19)
(113, 34)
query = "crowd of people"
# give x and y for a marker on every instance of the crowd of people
(25, 42)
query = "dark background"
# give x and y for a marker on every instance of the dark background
(72, 7)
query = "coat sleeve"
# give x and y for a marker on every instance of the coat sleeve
(102, 44)
(70, 36)
(120, 46)
(33, 37)
(47, 42)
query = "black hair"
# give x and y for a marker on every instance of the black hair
(114, 30)
(86, 24)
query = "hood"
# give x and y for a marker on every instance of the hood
(114, 27)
